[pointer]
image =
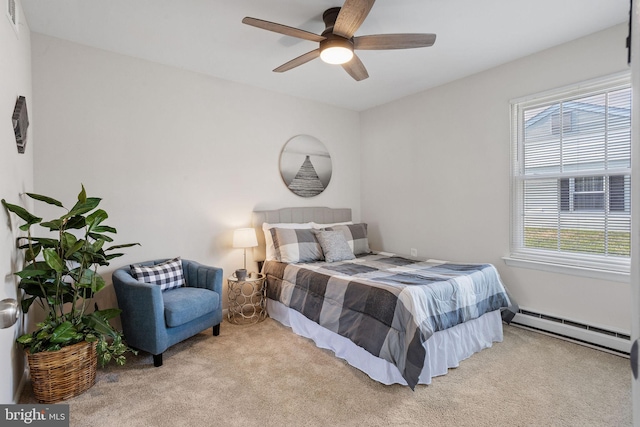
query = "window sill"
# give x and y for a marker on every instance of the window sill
(592, 273)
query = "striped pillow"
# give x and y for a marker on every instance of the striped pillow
(356, 235)
(296, 245)
(167, 275)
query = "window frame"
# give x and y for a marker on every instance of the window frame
(600, 266)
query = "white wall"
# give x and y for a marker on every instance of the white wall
(436, 168)
(180, 159)
(16, 176)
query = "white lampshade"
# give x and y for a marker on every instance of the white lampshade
(245, 238)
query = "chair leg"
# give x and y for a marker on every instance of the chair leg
(216, 330)
(157, 360)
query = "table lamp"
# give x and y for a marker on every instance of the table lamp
(244, 238)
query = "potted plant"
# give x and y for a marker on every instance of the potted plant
(60, 276)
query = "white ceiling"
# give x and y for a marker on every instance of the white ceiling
(207, 36)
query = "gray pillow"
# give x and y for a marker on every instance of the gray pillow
(334, 246)
(356, 236)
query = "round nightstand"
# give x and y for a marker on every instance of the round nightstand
(247, 299)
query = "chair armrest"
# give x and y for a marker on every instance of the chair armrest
(203, 276)
(142, 310)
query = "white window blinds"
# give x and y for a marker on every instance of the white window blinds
(572, 176)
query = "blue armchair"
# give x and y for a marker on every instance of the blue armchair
(154, 320)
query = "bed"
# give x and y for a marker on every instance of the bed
(399, 320)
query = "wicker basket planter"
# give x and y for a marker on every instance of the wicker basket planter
(63, 374)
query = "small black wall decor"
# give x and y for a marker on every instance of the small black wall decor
(305, 166)
(20, 123)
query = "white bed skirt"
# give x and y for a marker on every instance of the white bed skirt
(445, 349)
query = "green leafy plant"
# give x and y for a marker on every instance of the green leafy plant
(60, 276)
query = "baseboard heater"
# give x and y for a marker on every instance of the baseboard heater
(591, 336)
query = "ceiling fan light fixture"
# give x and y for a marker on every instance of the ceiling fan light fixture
(336, 51)
(338, 40)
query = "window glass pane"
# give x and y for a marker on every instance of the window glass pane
(619, 234)
(540, 215)
(565, 194)
(588, 202)
(619, 114)
(619, 129)
(590, 183)
(618, 193)
(541, 145)
(565, 125)
(585, 234)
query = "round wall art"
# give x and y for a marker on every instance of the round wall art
(305, 166)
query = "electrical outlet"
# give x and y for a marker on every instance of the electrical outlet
(414, 252)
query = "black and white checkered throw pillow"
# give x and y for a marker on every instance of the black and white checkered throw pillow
(167, 275)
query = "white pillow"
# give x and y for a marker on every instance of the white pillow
(321, 226)
(270, 250)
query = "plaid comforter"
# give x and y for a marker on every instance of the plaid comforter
(388, 305)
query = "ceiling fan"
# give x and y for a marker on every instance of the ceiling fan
(337, 41)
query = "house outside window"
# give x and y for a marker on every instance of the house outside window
(588, 194)
(571, 176)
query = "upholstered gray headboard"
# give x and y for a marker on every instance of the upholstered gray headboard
(320, 215)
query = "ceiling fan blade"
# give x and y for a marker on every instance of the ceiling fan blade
(356, 68)
(393, 41)
(351, 16)
(302, 59)
(282, 29)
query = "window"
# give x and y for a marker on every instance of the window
(571, 176)
(565, 124)
(588, 193)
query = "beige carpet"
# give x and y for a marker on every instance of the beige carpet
(264, 375)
